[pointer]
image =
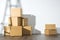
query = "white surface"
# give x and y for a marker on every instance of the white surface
(46, 11)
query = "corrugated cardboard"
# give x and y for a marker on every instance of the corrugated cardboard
(25, 22)
(27, 30)
(50, 32)
(16, 12)
(9, 21)
(7, 30)
(50, 26)
(16, 31)
(16, 21)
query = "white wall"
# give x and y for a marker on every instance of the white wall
(46, 11)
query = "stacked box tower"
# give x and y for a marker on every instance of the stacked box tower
(17, 24)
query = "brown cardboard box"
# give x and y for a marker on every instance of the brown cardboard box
(9, 21)
(7, 30)
(27, 30)
(25, 22)
(16, 12)
(50, 26)
(16, 31)
(16, 21)
(50, 32)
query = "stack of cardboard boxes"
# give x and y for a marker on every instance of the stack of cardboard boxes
(50, 29)
(18, 25)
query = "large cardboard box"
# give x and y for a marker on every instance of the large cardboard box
(9, 21)
(50, 26)
(16, 21)
(6, 30)
(16, 12)
(25, 22)
(27, 30)
(16, 31)
(50, 32)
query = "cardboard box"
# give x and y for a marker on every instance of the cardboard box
(16, 21)
(7, 30)
(27, 30)
(9, 21)
(16, 31)
(16, 12)
(50, 32)
(25, 22)
(50, 26)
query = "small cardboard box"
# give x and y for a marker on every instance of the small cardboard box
(50, 32)
(16, 21)
(16, 31)
(16, 12)
(9, 21)
(7, 30)
(50, 26)
(27, 30)
(25, 22)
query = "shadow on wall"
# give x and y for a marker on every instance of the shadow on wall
(58, 30)
(32, 22)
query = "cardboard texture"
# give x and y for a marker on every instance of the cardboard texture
(27, 30)
(50, 32)
(9, 21)
(7, 30)
(16, 31)
(50, 26)
(25, 22)
(16, 21)
(16, 12)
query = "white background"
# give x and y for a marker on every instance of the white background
(46, 12)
